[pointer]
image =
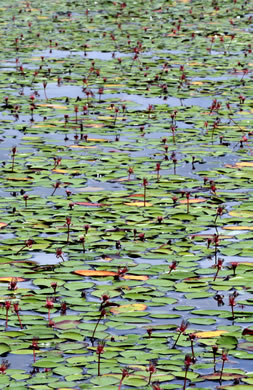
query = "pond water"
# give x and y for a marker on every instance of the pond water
(126, 195)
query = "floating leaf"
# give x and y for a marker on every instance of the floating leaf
(87, 272)
(241, 213)
(210, 334)
(66, 324)
(135, 277)
(195, 200)
(10, 278)
(237, 227)
(81, 147)
(128, 308)
(138, 204)
(4, 348)
(57, 106)
(225, 376)
(90, 204)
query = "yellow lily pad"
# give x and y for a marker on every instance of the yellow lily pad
(59, 106)
(210, 334)
(97, 140)
(235, 227)
(9, 279)
(138, 204)
(19, 178)
(128, 308)
(194, 200)
(63, 171)
(242, 213)
(81, 147)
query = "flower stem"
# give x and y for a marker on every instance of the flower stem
(221, 373)
(179, 334)
(21, 326)
(192, 348)
(94, 331)
(185, 377)
(149, 379)
(99, 374)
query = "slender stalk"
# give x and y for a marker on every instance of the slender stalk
(120, 383)
(23, 247)
(185, 376)
(68, 234)
(94, 330)
(188, 205)
(215, 276)
(215, 349)
(179, 334)
(149, 379)
(6, 319)
(19, 319)
(192, 348)
(103, 312)
(13, 162)
(233, 314)
(99, 355)
(99, 351)
(221, 373)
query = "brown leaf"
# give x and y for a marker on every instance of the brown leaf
(9, 278)
(194, 200)
(90, 272)
(138, 204)
(226, 376)
(90, 204)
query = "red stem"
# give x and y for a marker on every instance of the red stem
(173, 135)
(233, 314)
(149, 379)
(94, 331)
(13, 161)
(215, 276)
(176, 340)
(185, 377)
(99, 365)
(6, 320)
(223, 362)
(188, 206)
(68, 234)
(21, 326)
(192, 348)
